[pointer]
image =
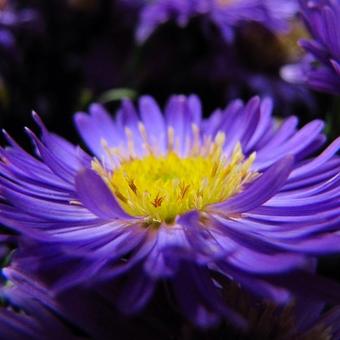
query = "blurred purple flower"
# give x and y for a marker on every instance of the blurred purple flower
(321, 69)
(12, 22)
(171, 198)
(198, 59)
(225, 14)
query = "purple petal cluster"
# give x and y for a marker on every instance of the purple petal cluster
(322, 20)
(265, 237)
(226, 15)
(25, 315)
(29, 311)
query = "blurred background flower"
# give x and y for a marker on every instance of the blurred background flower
(58, 55)
(323, 70)
(225, 14)
(80, 51)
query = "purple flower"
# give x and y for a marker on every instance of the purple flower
(323, 72)
(179, 198)
(28, 309)
(224, 14)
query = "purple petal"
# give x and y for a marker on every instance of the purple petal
(262, 125)
(59, 167)
(260, 190)
(327, 154)
(153, 121)
(209, 244)
(96, 128)
(97, 197)
(64, 151)
(136, 292)
(48, 210)
(179, 117)
(318, 288)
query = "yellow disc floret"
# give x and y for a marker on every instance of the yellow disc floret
(161, 187)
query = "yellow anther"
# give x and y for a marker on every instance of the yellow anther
(160, 187)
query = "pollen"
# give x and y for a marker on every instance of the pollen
(160, 187)
(224, 3)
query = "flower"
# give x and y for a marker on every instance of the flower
(195, 58)
(178, 198)
(225, 14)
(29, 310)
(41, 39)
(321, 67)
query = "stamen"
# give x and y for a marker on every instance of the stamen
(121, 196)
(145, 138)
(159, 187)
(157, 202)
(171, 139)
(196, 140)
(75, 202)
(130, 143)
(132, 186)
(183, 190)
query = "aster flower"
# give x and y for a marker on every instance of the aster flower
(321, 67)
(177, 198)
(201, 61)
(223, 13)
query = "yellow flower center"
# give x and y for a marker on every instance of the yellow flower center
(160, 187)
